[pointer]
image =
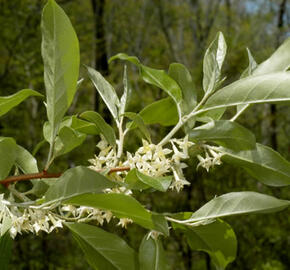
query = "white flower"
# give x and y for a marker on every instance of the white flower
(124, 222)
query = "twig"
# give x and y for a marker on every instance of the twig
(45, 174)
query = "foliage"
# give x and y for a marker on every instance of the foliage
(106, 190)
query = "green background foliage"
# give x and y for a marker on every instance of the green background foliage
(158, 33)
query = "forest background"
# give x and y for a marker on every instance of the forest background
(158, 32)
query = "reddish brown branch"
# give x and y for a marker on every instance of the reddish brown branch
(45, 174)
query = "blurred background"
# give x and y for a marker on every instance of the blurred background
(159, 32)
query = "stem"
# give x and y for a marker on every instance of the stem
(239, 113)
(183, 120)
(121, 138)
(50, 157)
(17, 194)
(44, 174)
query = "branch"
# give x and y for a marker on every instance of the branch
(45, 174)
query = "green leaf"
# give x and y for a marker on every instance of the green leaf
(137, 180)
(122, 206)
(76, 181)
(151, 254)
(182, 76)
(100, 123)
(251, 67)
(103, 250)
(106, 91)
(9, 147)
(238, 203)
(217, 239)
(155, 77)
(138, 122)
(270, 88)
(163, 112)
(126, 95)
(84, 126)
(263, 163)
(213, 61)
(67, 140)
(9, 102)
(132, 181)
(225, 133)
(159, 183)
(278, 61)
(25, 161)
(6, 244)
(60, 53)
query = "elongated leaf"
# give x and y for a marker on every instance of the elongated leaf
(161, 112)
(263, 163)
(8, 155)
(100, 123)
(238, 203)
(137, 180)
(270, 88)
(217, 239)
(67, 140)
(182, 76)
(159, 183)
(104, 250)
(84, 126)
(213, 61)
(25, 161)
(5, 251)
(106, 91)
(122, 206)
(251, 67)
(60, 53)
(9, 102)
(152, 255)
(155, 77)
(278, 61)
(76, 181)
(126, 95)
(138, 122)
(225, 133)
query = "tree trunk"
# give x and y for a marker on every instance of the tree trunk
(100, 51)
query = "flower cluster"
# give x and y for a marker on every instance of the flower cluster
(211, 159)
(28, 220)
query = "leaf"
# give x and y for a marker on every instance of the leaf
(67, 140)
(137, 180)
(76, 181)
(60, 53)
(182, 76)
(151, 254)
(159, 183)
(155, 77)
(217, 239)
(238, 203)
(263, 163)
(251, 67)
(25, 161)
(100, 123)
(122, 206)
(126, 95)
(106, 91)
(9, 102)
(213, 61)
(103, 250)
(161, 112)
(138, 122)
(84, 126)
(5, 251)
(270, 88)
(7, 146)
(278, 61)
(225, 133)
